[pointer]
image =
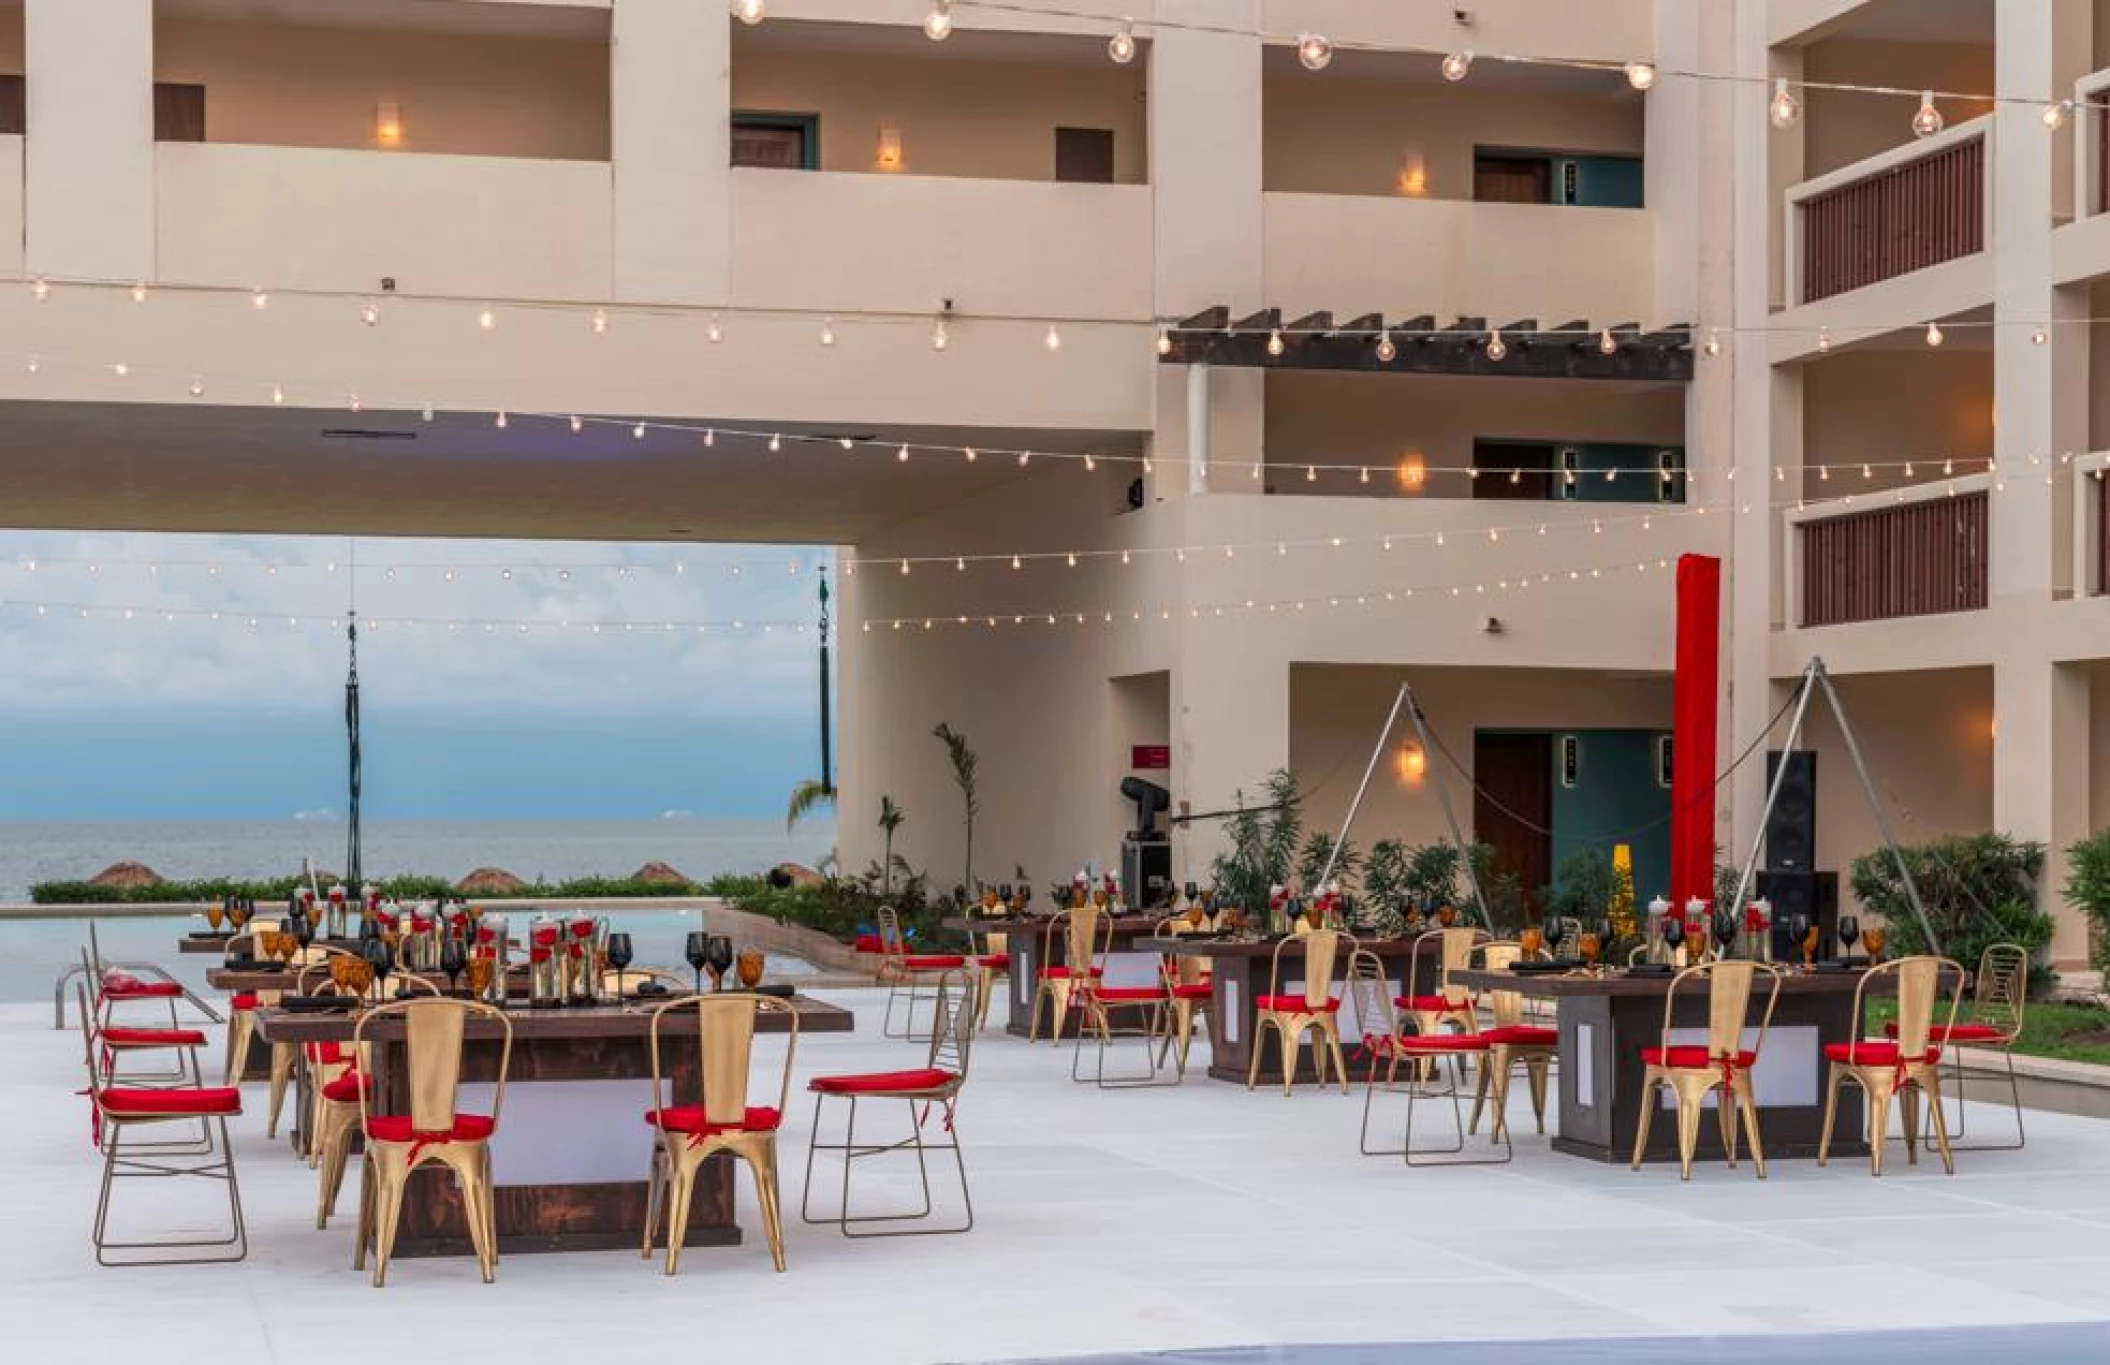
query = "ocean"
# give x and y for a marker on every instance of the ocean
(34, 851)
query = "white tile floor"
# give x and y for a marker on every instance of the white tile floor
(1145, 1221)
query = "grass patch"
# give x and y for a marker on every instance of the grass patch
(2071, 1033)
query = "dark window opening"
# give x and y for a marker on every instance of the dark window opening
(1507, 176)
(777, 142)
(179, 112)
(1506, 471)
(1084, 155)
(14, 106)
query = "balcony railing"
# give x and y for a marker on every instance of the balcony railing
(1921, 554)
(1890, 215)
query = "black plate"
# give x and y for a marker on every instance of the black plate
(1839, 967)
(778, 989)
(253, 964)
(1650, 969)
(209, 933)
(315, 1004)
(1540, 968)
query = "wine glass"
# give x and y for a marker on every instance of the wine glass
(718, 956)
(1673, 932)
(1725, 927)
(378, 955)
(481, 970)
(619, 957)
(1849, 931)
(237, 915)
(750, 968)
(1589, 945)
(215, 915)
(1530, 939)
(1555, 932)
(1798, 926)
(454, 955)
(698, 952)
(1873, 936)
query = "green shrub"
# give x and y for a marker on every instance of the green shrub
(1977, 889)
(2088, 890)
(842, 907)
(409, 887)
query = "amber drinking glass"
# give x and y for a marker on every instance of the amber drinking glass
(1589, 945)
(1530, 940)
(215, 915)
(750, 967)
(1873, 936)
(1447, 915)
(481, 970)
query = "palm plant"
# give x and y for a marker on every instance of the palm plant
(891, 818)
(964, 763)
(806, 798)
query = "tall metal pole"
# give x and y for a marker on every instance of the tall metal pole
(1450, 817)
(827, 770)
(1384, 737)
(354, 876)
(1875, 804)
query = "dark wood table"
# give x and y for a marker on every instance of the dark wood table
(1242, 970)
(571, 1153)
(1024, 940)
(216, 944)
(1605, 1021)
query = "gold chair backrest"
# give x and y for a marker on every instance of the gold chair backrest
(433, 1033)
(1729, 983)
(1091, 935)
(892, 943)
(1508, 1006)
(725, 1041)
(1919, 979)
(1321, 949)
(1369, 995)
(2001, 989)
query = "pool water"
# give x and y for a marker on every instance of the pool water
(33, 952)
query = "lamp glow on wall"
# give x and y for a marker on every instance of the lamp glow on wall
(1413, 175)
(1412, 763)
(1413, 472)
(388, 124)
(890, 156)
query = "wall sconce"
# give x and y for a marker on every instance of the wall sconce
(388, 124)
(1413, 472)
(1413, 175)
(1412, 763)
(890, 156)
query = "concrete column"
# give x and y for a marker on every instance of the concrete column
(1205, 166)
(89, 163)
(2023, 554)
(1230, 729)
(670, 97)
(2041, 777)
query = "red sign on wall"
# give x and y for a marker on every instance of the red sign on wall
(1150, 757)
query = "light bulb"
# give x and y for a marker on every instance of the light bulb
(1315, 50)
(1311, 473)
(1121, 48)
(40, 289)
(750, 11)
(1053, 340)
(1164, 341)
(710, 437)
(1365, 476)
(939, 339)
(1785, 108)
(902, 454)
(35, 364)
(259, 300)
(1928, 120)
(970, 453)
(1091, 461)
(1641, 75)
(1025, 457)
(1934, 334)
(1458, 65)
(578, 424)
(1824, 340)
(1714, 343)
(637, 433)
(370, 313)
(278, 396)
(139, 293)
(827, 331)
(937, 24)
(2039, 337)
(714, 332)
(600, 321)
(2055, 114)
(197, 388)
(776, 443)
(1274, 341)
(486, 319)
(120, 369)
(1386, 351)
(425, 413)
(355, 403)
(1607, 344)
(1497, 349)
(500, 420)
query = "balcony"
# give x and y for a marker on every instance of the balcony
(1889, 215)
(805, 239)
(2091, 510)
(330, 219)
(1921, 552)
(10, 205)
(1458, 258)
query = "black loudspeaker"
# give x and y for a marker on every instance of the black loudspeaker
(1791, 828)
(1146, 871)
(1815, 894)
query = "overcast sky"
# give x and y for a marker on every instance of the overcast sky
(177, 694)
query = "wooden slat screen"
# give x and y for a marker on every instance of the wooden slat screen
(1913, 560)
(1904, 219)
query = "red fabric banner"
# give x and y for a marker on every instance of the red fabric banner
(1695, 712)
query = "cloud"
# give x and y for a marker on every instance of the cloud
(466, 652)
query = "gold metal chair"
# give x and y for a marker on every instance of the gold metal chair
(1722, 1067)
(1908, 1065)
(1999, 996)
(285, 1057)
(1370, 994)
(938, 1083)
(904, 972)
(120, 1109)
(686, 1135)
(434, 1032)
(1091, 939)
(1052, 983)
(1511, 1042)
(1312, 1009)
(1429, 1011)
(991, 950)
(1189, 987)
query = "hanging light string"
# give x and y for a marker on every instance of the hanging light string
(329, 619)
(1315, 51)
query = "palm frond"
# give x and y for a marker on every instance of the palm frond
(807, 797)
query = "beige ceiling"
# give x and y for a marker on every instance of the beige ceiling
(203, 468)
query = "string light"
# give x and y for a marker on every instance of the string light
(278, 396)
(938, 338)
(578, 424)
(1274, 341)
(139, 293)
(1785, 109)
(1607, 344)
(637, 433)
(2039, 337)
(1053, 340)
(1714, 341)
(937, 24)
(1121, 48)
(1824, 340)
(486, 319)
(827, 331)
(40, 289)
(1386, 351)
(370, 313)
(1641, 75)
(1497, 349)
(776, 443)
(1934, 334)
(500, 420)
(600, 321)
(1315, 50)
(714, 331)
(902, 454)
(2055, 115)
(259, 300)
(1928, 120)
(1164, 341)
(1458, 65)
(750, 12)
(425, 414)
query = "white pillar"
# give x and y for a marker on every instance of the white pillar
(670, 97)
(2041, 777)
(89, 164)
(2023, 554)
(1197, 428)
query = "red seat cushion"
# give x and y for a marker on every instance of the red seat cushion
(244, 1000)
(325, 1053)
(932, 962)
(993, 961)
(1522, 1035)
(188, 1100)
(1431, 1004)
(346, 1088)
(1128, 994)
(1430, 1044)
(1063, 973)
(1199, 990)
(396, 1128)
(1960, 1033)
(1295, 1004)
(688, 1118)
(1691, 1058)
(153, 1037)
(883, 1082)
(1866, 1053)
(125, 986)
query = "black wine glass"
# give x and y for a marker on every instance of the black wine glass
(1673, 932)
(618, 951)
(454, 957)
(302, 928)
(1849, 932)
(369, 930)
(1724, 931)
(1555, 931)
(697, 952)
(375, 951)
(1798, 930)
(718, 956)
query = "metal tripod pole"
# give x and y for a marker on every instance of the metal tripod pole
(1384, 737)
(1853, 751)
(1804, 689)
(1450, 817)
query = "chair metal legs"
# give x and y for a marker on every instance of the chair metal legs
(1098, 1019)
(1289, 1032)
(384, 1173)
(1495, 1074)
(1882, 1084)
(1416, 1089)
(1691, 1086)
(907, 986)
(2014, 1090)
(871, 1224)
(675, 1163)
(216, 1163)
